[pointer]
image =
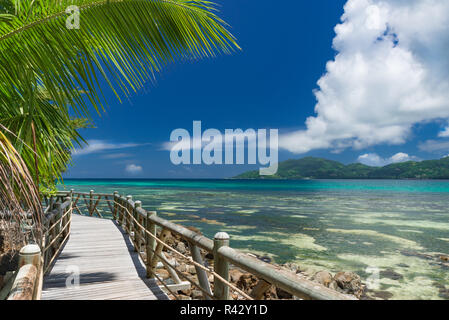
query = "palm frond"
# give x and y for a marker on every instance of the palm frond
(18, 197)
(53, 138)
(124, 41)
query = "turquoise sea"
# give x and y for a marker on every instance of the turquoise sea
(396, 229)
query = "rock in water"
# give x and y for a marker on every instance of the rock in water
(265, 259)
(384, 295)
(403, 265)
(391, 274)
(350, 283)
(323, 277)
(444, 293)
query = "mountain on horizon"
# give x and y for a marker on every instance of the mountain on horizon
(319, 168)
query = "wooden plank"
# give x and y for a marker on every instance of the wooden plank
(184, 285)
(163, 236)
(108, 201)
(103, 256)
(95, 207)
(24, 283)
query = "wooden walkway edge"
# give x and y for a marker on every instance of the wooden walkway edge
(101, 256)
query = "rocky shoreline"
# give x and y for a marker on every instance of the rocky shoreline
(343, 282)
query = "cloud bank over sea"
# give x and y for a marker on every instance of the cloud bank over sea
(390, 72)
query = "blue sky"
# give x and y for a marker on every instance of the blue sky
(273, 83)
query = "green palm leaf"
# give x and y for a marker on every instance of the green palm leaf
(124, 41)
(47, 71)
(54, 137)
(18, 196)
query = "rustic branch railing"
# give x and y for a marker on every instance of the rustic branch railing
(35, 261)
(149, 234)
(57, 230)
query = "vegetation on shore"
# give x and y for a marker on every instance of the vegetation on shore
(318, 168)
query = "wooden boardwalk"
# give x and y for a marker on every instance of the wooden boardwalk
(109, 269)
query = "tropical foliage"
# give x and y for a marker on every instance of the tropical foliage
(43, 134)
(124, 41)
(52, 71)
(18, 198)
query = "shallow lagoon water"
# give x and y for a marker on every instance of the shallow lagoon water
(350, 225)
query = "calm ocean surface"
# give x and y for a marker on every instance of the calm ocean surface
(398, 227)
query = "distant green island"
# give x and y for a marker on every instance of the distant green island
(318, 168)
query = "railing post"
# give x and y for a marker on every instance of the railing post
(68, 218)
(114, 213)
(27, 285)
(128, 214)
(90, 202)
(150, 241)
(124, 215)
(58, 226)
(120, 205)
(200, 273)
(221, 267)
(51, 201)
(30, 254)
(163, 237)
(137, 230)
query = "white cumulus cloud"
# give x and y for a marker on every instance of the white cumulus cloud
(391, 71)
(133, 169)
(96, 146)
(435, 146)
(444, 133)
(374, 160)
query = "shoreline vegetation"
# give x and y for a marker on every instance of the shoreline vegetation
(319, 168)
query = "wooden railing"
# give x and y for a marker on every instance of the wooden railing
(35, 260)
(56, 230)
(150, 233)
